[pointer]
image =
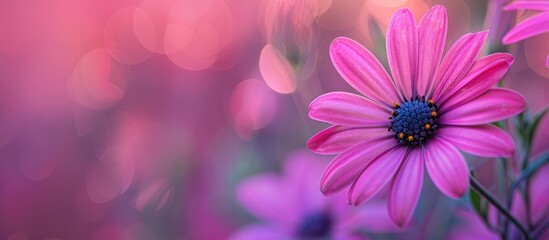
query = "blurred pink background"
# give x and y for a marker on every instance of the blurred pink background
(137, 119)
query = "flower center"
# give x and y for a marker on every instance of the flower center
(315, 225)
(414, 122)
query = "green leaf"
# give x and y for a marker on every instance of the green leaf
(499, 125)
(533, 125)
(520, 125)
(476, 201)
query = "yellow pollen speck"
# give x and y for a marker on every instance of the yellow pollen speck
(431, 101)
(401, 135)
(434, 113)
(395, 105)
(427, 126)
(410, 138)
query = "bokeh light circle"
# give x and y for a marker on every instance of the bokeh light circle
(98, 81)
(276, 71)
(252, 106)
(121, 41)
(109, 177)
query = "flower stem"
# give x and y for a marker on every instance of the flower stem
(525, 175)
(482, 191)
(502, 189)
(535, 165)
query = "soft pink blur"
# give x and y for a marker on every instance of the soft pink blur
(139, 118)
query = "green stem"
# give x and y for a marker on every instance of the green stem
(527, 203)
(502, 189)
(530, 170)
(525, 175)
(482, 191)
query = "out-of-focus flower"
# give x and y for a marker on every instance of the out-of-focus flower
(499, 23)
(289, 54)
(420, 117)
(530, 27)
(539, 210)
(291, 206)
(470, 226)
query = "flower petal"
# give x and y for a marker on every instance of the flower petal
(528, 5)
(532, 26)
(363, 71)
(405, 188)
(373, 217)
(346, 235)
(432, 36)
(494, 105)
(266, 197)
(376, 175)
(336, 139)
(484, 74)
(346, 167)
(258, 232)
(402, 50)
(457, 62)
(482, 140)
(302, 171)
(447, 168)
(348, 109)
(539, 194)
(470, 226)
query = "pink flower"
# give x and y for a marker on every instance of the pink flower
(291, 206)
(420, 117)
(532, 26)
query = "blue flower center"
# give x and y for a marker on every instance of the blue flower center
(414, 122)
(315, 225)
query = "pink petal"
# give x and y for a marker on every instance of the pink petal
(406, 187)
(470, 227)
(339, 235)
(373, 217)
(447, 168)
(276, 70)
(402, 50)
(482, 140)
(532, 26)
(539, 193)
(494, 105)
(457, 62)
(547, 61)
(302, 172)
(346, 167)
(336, 139)
(348, 109)
(484, 74)
(259, 232)
(376, 175)
(432, 36)
(528, 5)
(362, 71)
(265, 197)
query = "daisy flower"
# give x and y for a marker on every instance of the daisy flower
(417, 119)
(290, 206)
(532, 26)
